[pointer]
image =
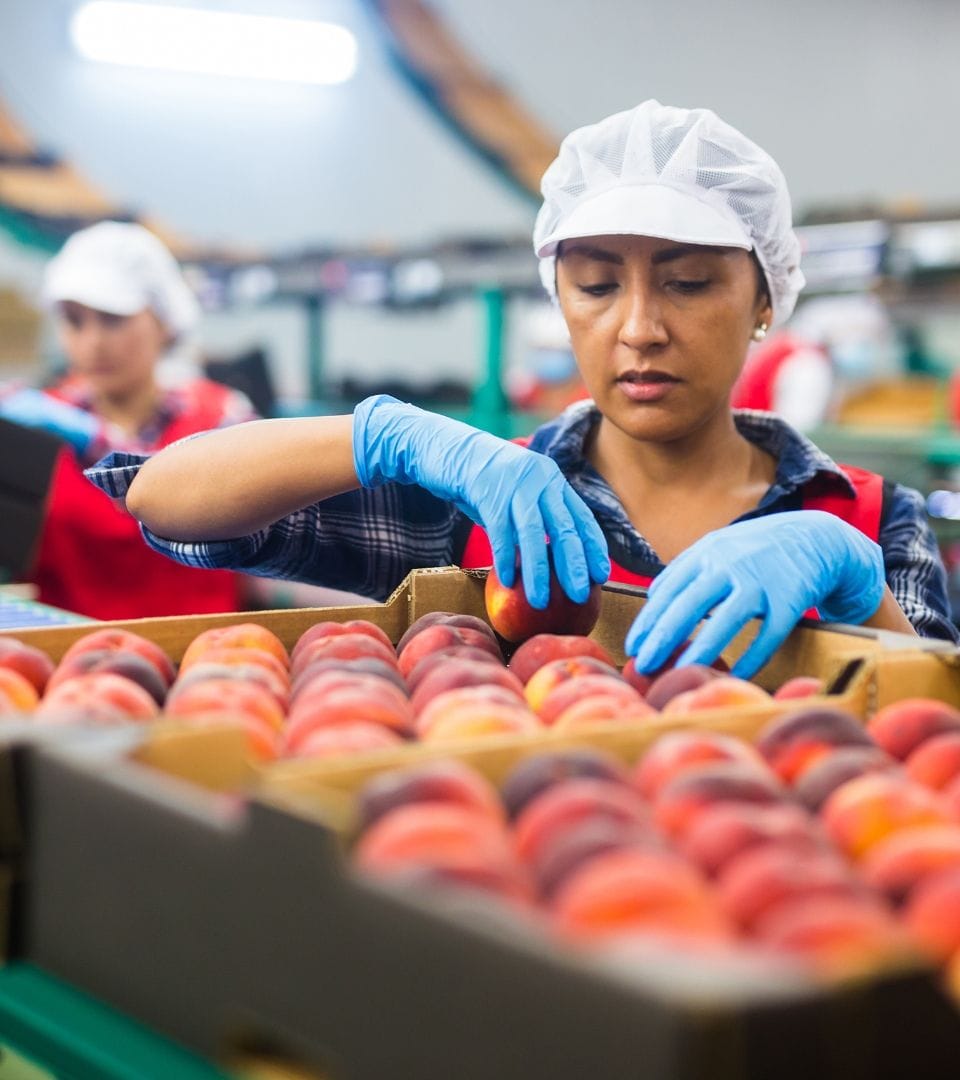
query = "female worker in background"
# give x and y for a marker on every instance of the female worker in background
(666, 237)
(121, 302)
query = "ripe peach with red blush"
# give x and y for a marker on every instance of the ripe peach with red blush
(442, 636)
(446, 618)
(901, 727)
(679, 802)
(896, 865)
(226, 697)
(122, 640)
(792, 743)
(476, 720)
(17, 693)
(360, 665)
(248, 635)
(673, 682)
(936, 761)
(100, 697)
(333, 699)
(534, 775)
(130, 665)
(202, 671)
(454, 652)
(932, 914)
(447, 781)
(459, 673)
(543, 648)
(342, 647)
(800, 686)
(572, 691)
(723, 692)
(571, 848)
(473, 699)
(678, 751)
(27, 660)
(551, 675)
(515, 619)
(339, 629)
(602, 709)
(822, 777)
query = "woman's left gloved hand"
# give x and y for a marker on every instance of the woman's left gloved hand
(773, 568)
(34, 408)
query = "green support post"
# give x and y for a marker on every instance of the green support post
(315, 342)
(490, 407)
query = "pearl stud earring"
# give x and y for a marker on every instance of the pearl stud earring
(759, 332)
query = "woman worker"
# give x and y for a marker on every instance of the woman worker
(121, 301)
(666, 238)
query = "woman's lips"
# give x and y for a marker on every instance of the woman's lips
(647, 386)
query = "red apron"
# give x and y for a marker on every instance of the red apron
(93, 560)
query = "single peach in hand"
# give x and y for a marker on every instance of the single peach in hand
(101, 697)
(26, 660)
(447, 781)
(442, 636)
(534, 775)
(678, 751)
(122, 640)
(682, 799)
(817, 782)
(515, 619)
(248, 635)
(936, 761)
(791, 743)
(896, 865)
(901, 727)
(542, 648)
(338, 629)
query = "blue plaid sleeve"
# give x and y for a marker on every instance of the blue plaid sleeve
(363, 541)
(914, 569)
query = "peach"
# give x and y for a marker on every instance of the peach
(447, 781)
(332, 699)
(932, 914)
(683, 798)
(827, 773)
(342, 647)
(463, 698)
(457, 674)
(901, 727)
(568, 693)
(227, 697)
(602, 709)
(261, 736)
(757, 881)
(542, 648)
(484, 719)
(446, 618)
(951, 799)
(678, 751)
(642, 683)
(936, 761)
(256, 673)
(100, 697)
(247, 635)
(895, 866)
(454, 652)
(359, 665)
(514, 619)
(569, 802)
(792, 743)
(359, 737)
(126, 641)
(723, 692)
(722, 832)
(130, 665)
(338, 629)
(534, 775)
(671, 683)
(574, 846)
(442, 636)
(18, 691)
(551, 675)
(27, 660)
(861, 812)
(837, 934)
(240, 657)
(800, 686)
(637, 889)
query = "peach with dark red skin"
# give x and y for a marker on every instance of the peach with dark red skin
(602, 708)
(895, 866)
(473, 699)
(534, 775)
(442, 636)
(722, 832)
(225, 696)
(359, 737)
(790, 744)
(862, 812)
(515, 619)
(342, 647)
(901, 727)
(643, 683)
(447, 781)
(542, 648)
(457, 674)
(247, 635)
(932, 914)
(446, 618)
(936, 761)
(339, 629)
(122, 640)
(680, 801)
(100, 697)
(27, 660)
(18, 693)
(551, 675)
(822, 777)
(678, 751)
(123, 662)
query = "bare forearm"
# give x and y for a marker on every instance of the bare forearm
(240, 479)
(889, 616)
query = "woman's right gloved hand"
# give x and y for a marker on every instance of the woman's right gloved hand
(34, 408)
(520, 497)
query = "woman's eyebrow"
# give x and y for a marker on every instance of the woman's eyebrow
(589, 252)
(670, 254)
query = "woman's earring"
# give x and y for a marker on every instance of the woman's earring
(759, 332)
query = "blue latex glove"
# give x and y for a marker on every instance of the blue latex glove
(774, 568)
(518, 496)
(33, 408)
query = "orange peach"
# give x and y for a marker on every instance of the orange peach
(602, 709)
(569, 802)
(722, 832)
(358, 737)
(572, 847)
(442, 636)
(862, 812)
(515, 619)
(484, 719)
(932, 914)
(338, 629)
(534, 775)
(817, 782)
(666, 685)
(551, 675)
(936, 761)
(723, 692)
(101, 697)
(202, 671)
(800, 686)
(27, 660)
(446, 618)
(458, 674)
(18, 691)
(240, 657)
(342, 647)
(683, 798)
(757, 881)
(637, 889)
(247, 635)
(542, 648)
(790, 744)
(126, 641)
(227, 697)
(568, 693)
(896, 865)
(467, 698)
(447, 781)
(901, 727)
(130, 665)
(678, 751)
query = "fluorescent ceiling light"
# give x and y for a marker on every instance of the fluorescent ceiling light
(214, 42)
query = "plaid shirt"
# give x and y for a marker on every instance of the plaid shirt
(366, 541)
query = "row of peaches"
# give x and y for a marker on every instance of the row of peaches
(344, 687)
(823, 845)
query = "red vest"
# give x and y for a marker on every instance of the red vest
(754, 388)
(93, 560)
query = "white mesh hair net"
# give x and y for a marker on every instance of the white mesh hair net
(726, 182)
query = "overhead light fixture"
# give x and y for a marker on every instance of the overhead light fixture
(214, 42)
